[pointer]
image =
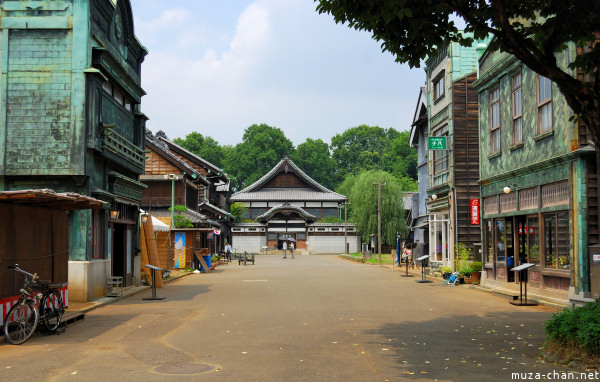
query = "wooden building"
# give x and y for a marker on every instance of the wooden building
(71, 120)
(171, 181)
(43, 247)
(538, 182)
(287, 204)
(453, 152)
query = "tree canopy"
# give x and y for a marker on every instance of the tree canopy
(361, 191)
(261, 149)
(314, 158)
(534, 31)
(203, 146)
(356, 149)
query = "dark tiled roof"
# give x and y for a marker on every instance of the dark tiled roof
(256, 192)
(286, 207)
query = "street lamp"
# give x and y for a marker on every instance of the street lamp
(114, 214)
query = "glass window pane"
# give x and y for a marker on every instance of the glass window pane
(550, 250)
(563, 242)
(532, 232)
(500, 241)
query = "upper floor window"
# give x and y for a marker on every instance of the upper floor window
(517, 109)
(544, 104)
(495, 121)
(439, 89)
(117, 96)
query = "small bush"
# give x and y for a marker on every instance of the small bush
(576, 328)
(476, 266)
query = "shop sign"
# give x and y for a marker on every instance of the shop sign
(437, 143)
(474, 211)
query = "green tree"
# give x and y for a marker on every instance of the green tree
(361, 148)
(238, 210)
(533, 31)
(361, 191)
(314, 158)
(204, 146)
(401, 159)
(261, 149)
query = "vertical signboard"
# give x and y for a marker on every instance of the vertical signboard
(474, 211)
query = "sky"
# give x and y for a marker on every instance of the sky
(218, 67)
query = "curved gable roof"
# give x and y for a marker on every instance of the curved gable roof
(286, 207)
(283, 163)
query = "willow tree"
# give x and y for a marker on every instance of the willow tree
(362, 193)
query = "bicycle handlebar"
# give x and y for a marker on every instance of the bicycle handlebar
(16, 268)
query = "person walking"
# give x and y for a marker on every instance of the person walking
(292, 249)
(284, 249)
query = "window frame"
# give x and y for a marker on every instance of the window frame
(517, 112)
(439, 86)
(545, 105)
(494, 96)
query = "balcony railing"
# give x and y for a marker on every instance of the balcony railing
(116, 144)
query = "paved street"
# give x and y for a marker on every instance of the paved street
(314, 318)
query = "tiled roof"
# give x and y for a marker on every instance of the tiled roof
(256, 192)
(193, 216)
(193, 156)
(285, 207)
(164, 149)
(287, 194)
(215, 208)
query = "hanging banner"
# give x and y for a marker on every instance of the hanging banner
(179, 250)
(474, 211)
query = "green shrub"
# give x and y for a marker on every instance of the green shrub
(476, 266)
(445, 269)
(576, 327)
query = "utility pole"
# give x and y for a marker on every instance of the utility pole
(379, 184)
(346, 227)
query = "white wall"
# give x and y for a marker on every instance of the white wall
(332, 244)
(247, 243)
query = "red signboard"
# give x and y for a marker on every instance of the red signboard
(474, 211)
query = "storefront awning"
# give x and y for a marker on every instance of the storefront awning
(67, 201)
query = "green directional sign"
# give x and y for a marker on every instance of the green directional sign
(437, 143)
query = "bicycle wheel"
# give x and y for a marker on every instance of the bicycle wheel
(21, 322)
(52, 309)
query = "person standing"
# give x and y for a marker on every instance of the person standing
(284, 249)
(292, 249)
(228, 252)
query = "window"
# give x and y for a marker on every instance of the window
(517, 109)
(272, 236)
(332, 211)
(438, 87)
(544, 104)
(316, 211)
(532, 231)
(500, 241)
(495, 121)
(556, 241)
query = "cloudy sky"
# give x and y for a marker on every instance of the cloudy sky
(217, 67)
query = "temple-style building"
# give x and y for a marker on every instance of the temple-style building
(287, 204)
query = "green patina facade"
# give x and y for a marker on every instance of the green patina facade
(70, 120)
(528, 183)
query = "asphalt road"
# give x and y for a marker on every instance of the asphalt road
(313, 318)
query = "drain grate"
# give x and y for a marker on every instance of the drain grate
(184, 368)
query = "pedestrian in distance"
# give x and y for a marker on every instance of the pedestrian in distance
(292, 249)
(284, 249)
(228, 252)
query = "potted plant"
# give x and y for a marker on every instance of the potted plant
(476, 266)
(467, 273)
(446, 272)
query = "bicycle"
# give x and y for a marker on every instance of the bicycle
(24, 317)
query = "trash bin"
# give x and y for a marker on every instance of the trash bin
(207, 261)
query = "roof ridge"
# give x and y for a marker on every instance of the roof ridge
(273, 171)
(170, 142)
